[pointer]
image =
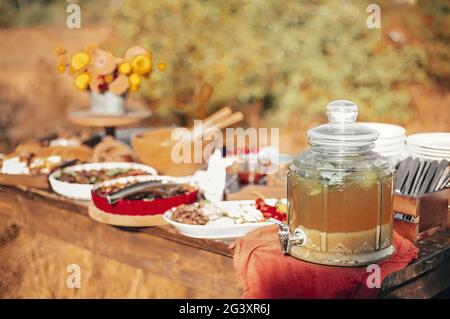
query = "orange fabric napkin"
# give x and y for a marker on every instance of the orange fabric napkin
(266, 273)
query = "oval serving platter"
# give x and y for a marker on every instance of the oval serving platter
(83, 191)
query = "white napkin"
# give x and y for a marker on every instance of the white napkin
(214, 184)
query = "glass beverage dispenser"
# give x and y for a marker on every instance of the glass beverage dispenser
(339, 195)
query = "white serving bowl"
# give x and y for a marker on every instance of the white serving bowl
(228, 232)
(83, 191)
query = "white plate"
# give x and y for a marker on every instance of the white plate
(435, 141)
(386, 131)
(393, 148)
(143, 178)
(428, 152)
(435, 156)
(392, 154)
(83, 191)
(429, 157)
(425, 151)
(219, 232)
(392, 141)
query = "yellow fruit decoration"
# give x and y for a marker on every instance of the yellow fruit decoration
(141, 64)
(125, 68)
(162, 66)
(82, 81)
(61, 63)
(99, 71)
(109, 78)
(60, 50)
(134, 88)
(79, 61)
(135, 82)
(134, 79)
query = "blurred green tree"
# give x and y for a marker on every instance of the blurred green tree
(297, 55)
(437, 37)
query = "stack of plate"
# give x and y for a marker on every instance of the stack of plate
(432, 146)
(391, 141)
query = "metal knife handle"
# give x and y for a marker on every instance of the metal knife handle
(134, 189)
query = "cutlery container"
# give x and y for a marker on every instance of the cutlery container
(417, 217)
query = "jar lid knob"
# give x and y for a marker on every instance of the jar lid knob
(342, 111)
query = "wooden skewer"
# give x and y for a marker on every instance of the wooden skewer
(211, 121)
(216, 117)
(233, 119)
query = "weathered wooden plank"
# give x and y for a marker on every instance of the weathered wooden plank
(188, 265)
(434, 251)
(80, 207)
(425, 286)
(165, 252)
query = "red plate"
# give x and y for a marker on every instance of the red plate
(141, 207)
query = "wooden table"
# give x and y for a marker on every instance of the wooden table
(194, 263)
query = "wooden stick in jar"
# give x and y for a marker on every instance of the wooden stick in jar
(216, 117)
(233, 119)
(211, 121)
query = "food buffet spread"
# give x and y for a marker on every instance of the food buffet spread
(344, 200)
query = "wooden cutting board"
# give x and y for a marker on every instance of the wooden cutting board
(124, 220)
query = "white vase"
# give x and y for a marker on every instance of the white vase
(107, 104)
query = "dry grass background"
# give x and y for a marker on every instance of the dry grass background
(34, 266)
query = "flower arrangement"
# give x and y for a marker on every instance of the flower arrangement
(107, 77)
(100, 71)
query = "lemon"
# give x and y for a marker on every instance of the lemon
(134, 79)
(134, 88)
(82, 81)
(79, 61)
(141, 64)
(125, 68)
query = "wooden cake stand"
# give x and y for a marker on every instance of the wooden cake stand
(108, 122)
(124, 220)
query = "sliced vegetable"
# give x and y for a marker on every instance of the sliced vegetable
(269, 211)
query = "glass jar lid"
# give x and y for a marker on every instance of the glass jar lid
(342, 134)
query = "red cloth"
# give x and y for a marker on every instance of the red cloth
(266, 273)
